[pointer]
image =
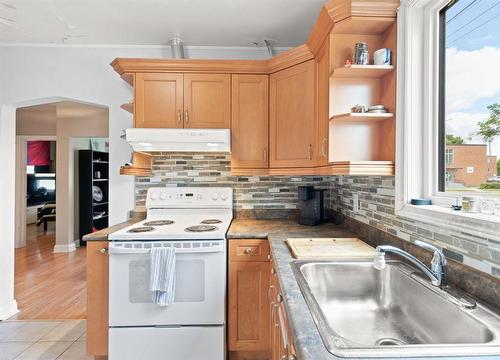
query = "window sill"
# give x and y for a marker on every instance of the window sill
(487, 226)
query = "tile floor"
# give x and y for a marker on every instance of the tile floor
(43, 340)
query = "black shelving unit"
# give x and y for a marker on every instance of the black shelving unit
(93, 171)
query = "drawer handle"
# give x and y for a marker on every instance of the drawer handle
(279, 298)
(179, 116)
(247, 251)
(103, 251)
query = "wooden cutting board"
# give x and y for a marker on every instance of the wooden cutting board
(331, 248)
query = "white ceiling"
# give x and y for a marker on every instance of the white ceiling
(154, 22)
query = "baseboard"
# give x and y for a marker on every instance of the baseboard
(64, 248)
(8, 310)
(77, 243)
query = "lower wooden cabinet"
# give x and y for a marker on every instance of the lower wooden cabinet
(281, 347)
(97, 298)
(248, 304)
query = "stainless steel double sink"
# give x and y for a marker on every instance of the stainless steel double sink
(364, 312)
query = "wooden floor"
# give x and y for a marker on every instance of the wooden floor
(47, 285)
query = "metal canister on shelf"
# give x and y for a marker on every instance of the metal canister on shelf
(361, 53)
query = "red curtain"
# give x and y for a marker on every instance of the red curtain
(39, 153)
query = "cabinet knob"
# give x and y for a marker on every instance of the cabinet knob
(309, 151)
(279, 298)
(265, 154)
(292, 357)
(103, 251)
(179, 116)
(248, 251)
(269, 257)
(186, 116)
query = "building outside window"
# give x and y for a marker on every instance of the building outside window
(469, 96)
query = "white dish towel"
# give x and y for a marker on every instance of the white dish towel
(162, 276)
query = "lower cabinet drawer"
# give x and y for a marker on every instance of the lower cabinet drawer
(249, 250)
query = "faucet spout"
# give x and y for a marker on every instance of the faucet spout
(437, 272)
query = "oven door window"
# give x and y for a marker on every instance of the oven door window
(189, 281)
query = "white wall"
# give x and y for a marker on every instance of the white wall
(83, 73)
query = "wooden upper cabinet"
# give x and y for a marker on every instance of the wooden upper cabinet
(207, 101)
(250, 121)
(293, 127)
(158, 100)
(323, 101)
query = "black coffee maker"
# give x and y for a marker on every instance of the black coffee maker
(311, 204)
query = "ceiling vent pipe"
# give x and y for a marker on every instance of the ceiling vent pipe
(177, 46)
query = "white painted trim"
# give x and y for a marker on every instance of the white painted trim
(138, 46)
(417, 125)
(21, 190)
(64, 248)
(8, 310)
(20, 227)
(476, 224)
(77, 243)
(7, 220)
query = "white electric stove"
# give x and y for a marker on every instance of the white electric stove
(194, 221)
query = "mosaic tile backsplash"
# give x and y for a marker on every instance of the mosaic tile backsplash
(376, 195)
(250, 192)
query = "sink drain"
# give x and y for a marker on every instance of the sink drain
(388, 342)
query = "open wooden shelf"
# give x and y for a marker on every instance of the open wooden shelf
(142, 165)
(363, 25)
(362, 71)
(128, 107)
(362, 117)
(135, 171)
(362, 168)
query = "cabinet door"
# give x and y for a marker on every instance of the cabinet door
(158, 100)
(293, 117)
(323, 86)
(207, 101)
(248, 305)
(249, 121)
(97, 298)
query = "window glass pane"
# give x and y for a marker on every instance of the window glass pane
(470, 94)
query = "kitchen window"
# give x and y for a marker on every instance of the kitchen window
(469, 93)
(446, 71)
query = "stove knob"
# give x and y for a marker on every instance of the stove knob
(163, 196)
(153, 196)
(223, 197)
(215, 196)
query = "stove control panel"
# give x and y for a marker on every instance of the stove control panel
(189, 197)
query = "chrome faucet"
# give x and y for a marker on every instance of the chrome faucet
(437, 271)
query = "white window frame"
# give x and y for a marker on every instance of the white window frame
(417, 124)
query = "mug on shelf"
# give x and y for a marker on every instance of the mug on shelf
(382, 57)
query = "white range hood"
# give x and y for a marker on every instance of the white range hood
(179, 140)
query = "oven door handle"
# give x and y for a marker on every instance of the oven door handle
(213, 249)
